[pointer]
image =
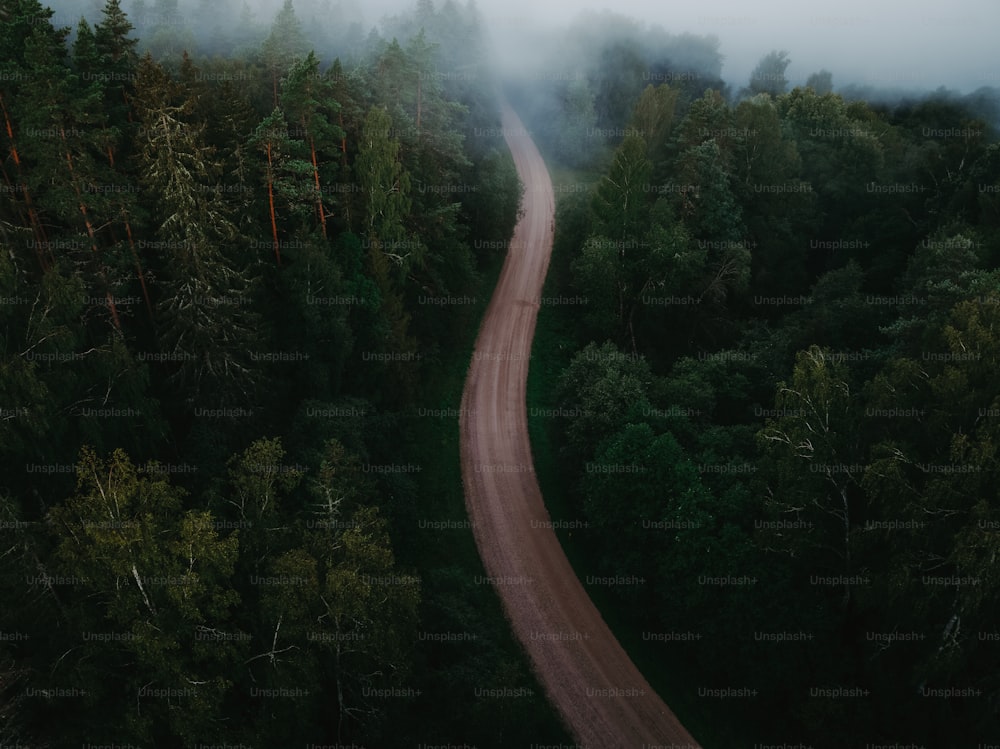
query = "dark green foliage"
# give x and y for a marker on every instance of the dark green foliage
(799, 365)
(812, 421)
(149, 337)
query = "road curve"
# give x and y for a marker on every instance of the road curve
(598, 691)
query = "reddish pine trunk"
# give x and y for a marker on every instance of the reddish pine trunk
(36, 225)
(319, 190)
(24, 219)
(270, 199)
(138, 268)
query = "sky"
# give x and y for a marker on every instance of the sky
(885, 43)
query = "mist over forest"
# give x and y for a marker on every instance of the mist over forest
(720, 43)
(893, 46)
(246, 249)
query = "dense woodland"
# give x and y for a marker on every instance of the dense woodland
(227, 280)
(781, 416)
(234, 263)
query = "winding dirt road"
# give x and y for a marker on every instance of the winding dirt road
(602, 697)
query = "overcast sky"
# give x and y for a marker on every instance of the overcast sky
(909, 43)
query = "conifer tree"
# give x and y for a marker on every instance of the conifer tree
(24, 19)
(112, 58)
(203, 321)
(288, 175)
(118, 59)
(284, 45)
(58, 108)
(307, 98)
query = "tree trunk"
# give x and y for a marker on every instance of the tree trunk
(142, 590)
(319, 189)
(36, 224)
(270, 199)
(138, 266)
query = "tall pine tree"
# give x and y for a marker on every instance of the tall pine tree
(204, 324)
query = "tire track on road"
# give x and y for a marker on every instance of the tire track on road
(598, 691)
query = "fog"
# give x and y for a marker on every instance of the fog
(888, 44)
(883, 43)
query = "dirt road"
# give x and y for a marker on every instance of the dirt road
(587, 675)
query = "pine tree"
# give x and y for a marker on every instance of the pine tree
(25, 19)
(59, 110)
(114, 64)
(85, 58)
(266, 136)
(118, 58)
(396, 85)
(204, 324)
(437, 121)
(112, 33)
(230, 118)
(287, 173)
(284, 45)
(307, 98)
(338, 86)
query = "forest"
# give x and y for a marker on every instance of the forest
(229, 283)
(242, 272)
(774, 395)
